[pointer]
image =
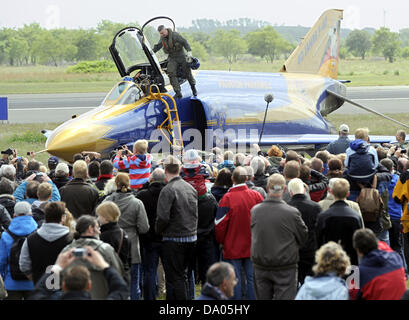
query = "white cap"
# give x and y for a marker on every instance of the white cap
(344, 128)
(191, 155)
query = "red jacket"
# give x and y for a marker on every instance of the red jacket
(232, 223)
(381, 275)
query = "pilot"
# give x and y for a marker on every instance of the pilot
(173, 44)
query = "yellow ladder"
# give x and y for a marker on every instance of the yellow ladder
(167, 127)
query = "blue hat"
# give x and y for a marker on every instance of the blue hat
(53, 160)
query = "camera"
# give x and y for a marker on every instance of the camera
(403, 151)
(80, 252)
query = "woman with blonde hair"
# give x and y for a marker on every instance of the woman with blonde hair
(134, 221)
(332, 264)
(108, 215)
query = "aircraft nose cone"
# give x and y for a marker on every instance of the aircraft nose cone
(77, 136)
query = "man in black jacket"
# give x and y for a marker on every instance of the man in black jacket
(309, 212)
(151, 242)
(339, 222)
(76, 281)
(176, 220)
(80, 197)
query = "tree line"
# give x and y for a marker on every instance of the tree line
(32, 44)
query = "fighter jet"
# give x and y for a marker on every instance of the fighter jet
(287, 107)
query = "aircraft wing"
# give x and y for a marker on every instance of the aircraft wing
(304, 139)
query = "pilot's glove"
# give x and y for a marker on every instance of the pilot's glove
(189, 57)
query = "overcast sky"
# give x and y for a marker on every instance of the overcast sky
(87, 13)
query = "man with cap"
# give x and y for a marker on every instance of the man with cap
(52, 164)
(21, 225)
(342, 143)
(173, 43)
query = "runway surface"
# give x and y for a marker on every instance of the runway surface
(29, 108)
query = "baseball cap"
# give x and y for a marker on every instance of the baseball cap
(344, 128)
(8, 151)
(22, 208)
(53, 160)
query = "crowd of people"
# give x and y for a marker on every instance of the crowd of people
(264, 225)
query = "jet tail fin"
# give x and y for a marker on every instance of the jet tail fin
(318, 52)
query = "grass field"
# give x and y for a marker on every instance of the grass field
(44, 79)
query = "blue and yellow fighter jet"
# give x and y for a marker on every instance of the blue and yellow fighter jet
(138, 107)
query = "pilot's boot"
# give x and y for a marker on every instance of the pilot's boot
(178, 95)
(194, 91)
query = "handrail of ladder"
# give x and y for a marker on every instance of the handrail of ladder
(158, 96)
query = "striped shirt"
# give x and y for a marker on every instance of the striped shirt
(139, 166)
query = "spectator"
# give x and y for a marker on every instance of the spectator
(291, 170)
(94, 171)
(275, 242)
(381, 272)
(222, 184)
(309, 212)
(151, 242)
(8, 171)
(5, 156)
(228, 161)
(233, 230)
(329, 200)
(193, 172)
(331, 266)
(275, 155)
(44, 194)
(139, 164)
(52, 165)
(108, 215)
(250, 183)
(258, 166)
(134, 221)
(77, 280)
(87, 233)
(361, 159)
(61, 175)
(6, 198)
(42, 248)
(335, 168)
(80, 197)
(316, 181)
(339, 222)
(176, 221)
(220, 282)
(395, 213)
(106, 170)
(342, 143)
(21, 225)
(27, 191)
(5, 219)
(323, 156)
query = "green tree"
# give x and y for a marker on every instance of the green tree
(30, 33)
(229, 44)
(404, 37)
(405, 52)
(387, 43)
(86, 42)
(358, 43)
(267, 43)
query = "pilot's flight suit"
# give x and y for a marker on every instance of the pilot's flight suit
(173, 45)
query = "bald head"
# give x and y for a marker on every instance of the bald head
(239, 175)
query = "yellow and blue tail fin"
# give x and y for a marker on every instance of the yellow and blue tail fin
(318, 51)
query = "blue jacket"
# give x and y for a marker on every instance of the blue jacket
(394, 208)
(339, 146)
(20, 226)
(327, 287)
(361, 160)
(20, 193)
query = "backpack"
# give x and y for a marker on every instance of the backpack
(370, 203)
(15, 251)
